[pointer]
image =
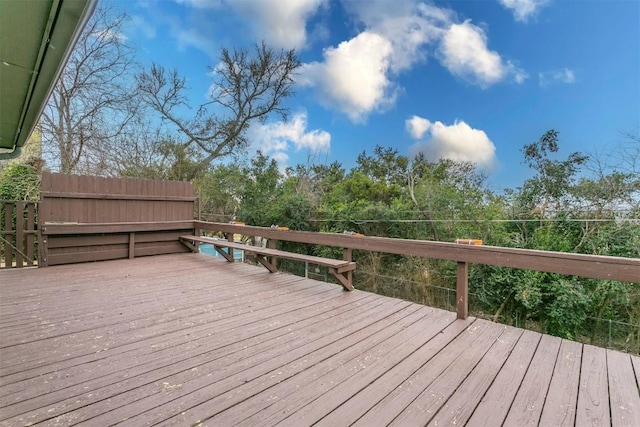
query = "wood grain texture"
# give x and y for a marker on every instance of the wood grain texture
(623, 395)
(593, 396)
(497, 401)
(562, 397)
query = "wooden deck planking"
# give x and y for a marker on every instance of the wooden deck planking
(495, 404)
(624, 399)
(167, 358)
(459, 407)
(422, 409)
(260, 399)
(430, 364)
(232, 371)
(182, 339)
(593, 397)
(562, 396)
(354, 407)
(132, 332)
(529, 401)
(368, 368)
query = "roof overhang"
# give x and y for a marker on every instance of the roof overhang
(36, 39)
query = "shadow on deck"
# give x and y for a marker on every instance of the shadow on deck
(188, 339)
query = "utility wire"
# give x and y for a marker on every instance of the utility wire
(363, 221)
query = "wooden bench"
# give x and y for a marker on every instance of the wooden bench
(340, 269)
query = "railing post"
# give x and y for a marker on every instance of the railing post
(31, 227)
(19, 234)
(43, 247)
(347, 256)
(8, 234)
(230, 239)
(272, 244)
(197, 232)
(462, 290)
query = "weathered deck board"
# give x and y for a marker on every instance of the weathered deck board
(529, 401)
(593, 397)
(461, 404)
(188, 338)
(495, 404)
(623, 390)
(562, 397)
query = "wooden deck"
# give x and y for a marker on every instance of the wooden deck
(193, 340)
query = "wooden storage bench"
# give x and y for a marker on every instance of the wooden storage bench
(340, 269)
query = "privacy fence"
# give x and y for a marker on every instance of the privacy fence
(116, 218)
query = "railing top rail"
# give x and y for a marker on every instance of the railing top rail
(592, 266)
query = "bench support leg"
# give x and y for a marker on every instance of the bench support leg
(265, 261)
(189, 245)
(227, 255)
(343, 278)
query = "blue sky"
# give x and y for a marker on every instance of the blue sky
(467, 80)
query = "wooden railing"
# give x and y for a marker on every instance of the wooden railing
(17, 233)
(591, 266)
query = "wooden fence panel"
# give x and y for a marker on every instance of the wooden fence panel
(73, 199)
(17, 233)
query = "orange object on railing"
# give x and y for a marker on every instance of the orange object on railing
(475, 242)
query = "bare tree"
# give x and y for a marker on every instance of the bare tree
(247, 87)
(91, 103)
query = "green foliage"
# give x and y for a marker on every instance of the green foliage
(553, 178)
(389, 195)
(20, 182)
(261, 190)
(292, 211)
(219, 191)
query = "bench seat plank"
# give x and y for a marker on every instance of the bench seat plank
(337, 267)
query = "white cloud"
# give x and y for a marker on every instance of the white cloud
(465, 53)
(564, 75)
(192, 38)
(140, 24)
(459, 142)
(523, 9)
(409, 26)
(281, 23)
(357, 76)
(108, 34)
(275, 139)
(353, 76)
(417, 126)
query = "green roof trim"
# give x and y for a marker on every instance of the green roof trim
(36, 39)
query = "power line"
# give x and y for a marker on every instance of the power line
(417, 221)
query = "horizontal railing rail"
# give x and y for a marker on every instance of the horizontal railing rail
(590, 266)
